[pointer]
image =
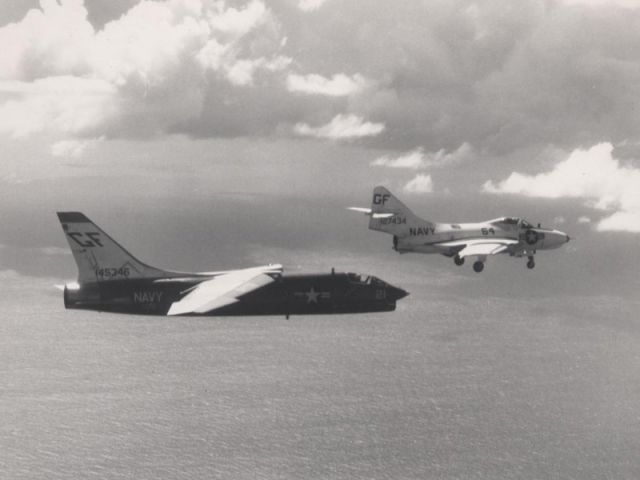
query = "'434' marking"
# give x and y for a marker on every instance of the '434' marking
(395, 219)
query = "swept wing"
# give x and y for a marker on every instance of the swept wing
(223, 290)
(481, 246)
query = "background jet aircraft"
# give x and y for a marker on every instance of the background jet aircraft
(511, 235)
(111, 279)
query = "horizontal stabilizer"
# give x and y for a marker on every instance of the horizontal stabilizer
(369, 213)
(366, 211)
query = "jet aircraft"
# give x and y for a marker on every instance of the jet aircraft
(510, 235)
(110, 279)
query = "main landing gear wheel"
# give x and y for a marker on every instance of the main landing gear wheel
(531, 263)
(458, 261)
(478, 266)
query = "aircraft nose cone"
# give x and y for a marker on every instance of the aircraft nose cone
(568, 238)
(398, 293)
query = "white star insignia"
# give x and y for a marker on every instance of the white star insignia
(312, 296)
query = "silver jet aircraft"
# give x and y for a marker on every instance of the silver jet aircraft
(511, 235)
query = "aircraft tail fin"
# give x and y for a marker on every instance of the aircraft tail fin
(99, 257)
(390, 215)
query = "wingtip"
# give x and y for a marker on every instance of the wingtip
(174, 312)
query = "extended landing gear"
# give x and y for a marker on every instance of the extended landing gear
(458, 261)
(531, 263)
(478, 266)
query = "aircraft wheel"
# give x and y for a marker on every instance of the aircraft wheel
(458, 261)
(478, 266)
(531, 264)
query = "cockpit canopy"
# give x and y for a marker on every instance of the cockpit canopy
(521, 222)
(363, 279)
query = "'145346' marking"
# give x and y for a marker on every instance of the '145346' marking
(111, 273)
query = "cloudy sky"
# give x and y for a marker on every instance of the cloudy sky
(210, 133)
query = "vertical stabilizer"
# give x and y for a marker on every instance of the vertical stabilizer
(100, 258)
(398, 224)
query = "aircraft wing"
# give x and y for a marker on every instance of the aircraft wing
(223, 290)
(485, 247)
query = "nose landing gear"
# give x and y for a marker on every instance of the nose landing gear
(531, 263)
(478, 266)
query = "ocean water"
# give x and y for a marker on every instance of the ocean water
(480, 388)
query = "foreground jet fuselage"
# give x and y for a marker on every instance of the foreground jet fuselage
(510, 235)
(112, 280)
(286, 295)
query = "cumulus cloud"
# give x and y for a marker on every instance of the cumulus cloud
(414, 159)
(63, 103)
(243, 72)
(592, 174)
(147, 72)
(310, 5)
(418, 158)
(341, 127)
(502, 78)
(52, 40)
(584, 219)
(337, 86)
(236, 22)
(69, 148)
(421, 183)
